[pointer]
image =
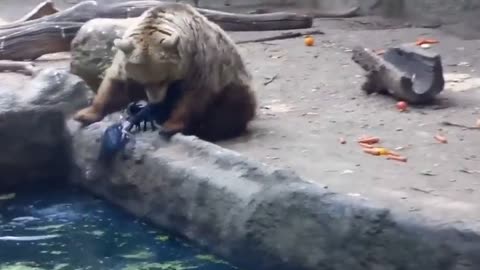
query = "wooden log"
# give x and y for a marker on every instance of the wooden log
(349, 13)
(258, 22)
(53, 33)
(88, 10)
(31, 42)
(405, 72)
(41, 10)
(81, 12)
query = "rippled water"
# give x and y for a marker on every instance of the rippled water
(87, 233)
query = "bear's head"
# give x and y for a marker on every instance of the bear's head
(151, 59)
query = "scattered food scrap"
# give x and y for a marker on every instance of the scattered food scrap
(402, 106)
(397, 158)
(380, 151)
(367, 144)
(368, 140)
(372, 151)
(429, 41)
(309, 41)
(342, 141)
(440, 138)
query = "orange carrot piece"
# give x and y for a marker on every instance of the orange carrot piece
(422, 41)
(374, 151)
(397, 158)
(393, 153)
(440, 138)
(365, 145)
(369, 140)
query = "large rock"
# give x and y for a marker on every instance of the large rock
(34, 143)
(92, 48)
(56, 88)
(260, 217)
(34, 147)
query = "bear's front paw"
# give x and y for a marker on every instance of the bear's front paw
(170, 128)
(87, 116)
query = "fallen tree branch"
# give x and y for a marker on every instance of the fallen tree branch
(281, 36)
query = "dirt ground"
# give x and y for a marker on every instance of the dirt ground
(310, 97)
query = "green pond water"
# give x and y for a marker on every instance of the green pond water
(82, 232)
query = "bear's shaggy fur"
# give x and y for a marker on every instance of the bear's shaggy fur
(174, 42)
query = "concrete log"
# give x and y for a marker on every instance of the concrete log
(28, 40)
(406, 72)
(261, 217)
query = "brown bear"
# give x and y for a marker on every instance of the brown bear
(175, 43)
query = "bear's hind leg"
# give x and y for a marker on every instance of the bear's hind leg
(228, 115)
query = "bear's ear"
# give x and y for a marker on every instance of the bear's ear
(172, 41)
(124, 45)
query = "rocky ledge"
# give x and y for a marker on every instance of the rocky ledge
(260, 217)
(34, 142)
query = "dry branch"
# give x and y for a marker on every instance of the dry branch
(286, 35)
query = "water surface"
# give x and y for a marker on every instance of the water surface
(84, 232)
